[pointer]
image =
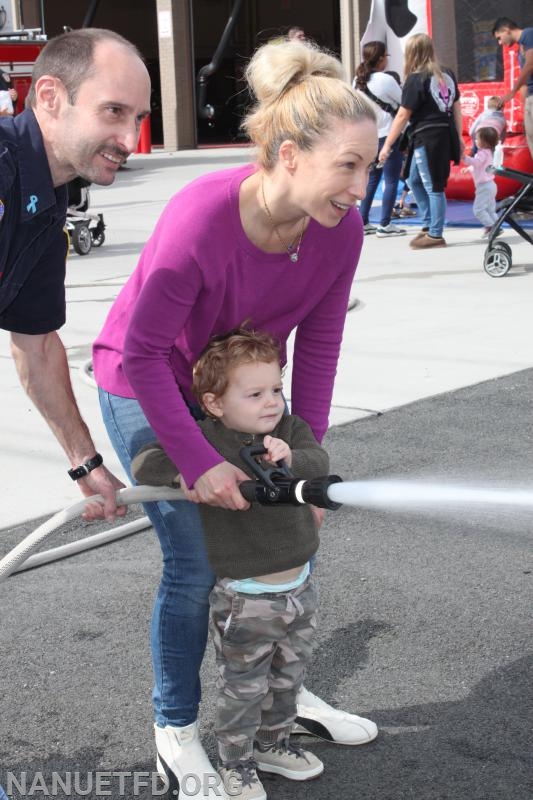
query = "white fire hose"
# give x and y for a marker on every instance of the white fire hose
(327, 492)
(19, 558)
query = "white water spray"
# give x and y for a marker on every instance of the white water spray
(413, 495)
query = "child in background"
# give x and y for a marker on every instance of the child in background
(6, 104)
(263, 604)
(8, 95)
(486, 140)
(403, 207)
(492, 117)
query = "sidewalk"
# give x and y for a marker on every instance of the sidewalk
(424, 323)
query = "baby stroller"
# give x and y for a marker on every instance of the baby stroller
(85, 229)
(498, 256)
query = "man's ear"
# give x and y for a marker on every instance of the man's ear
(212, 404)
(49, 93)
(288, 154)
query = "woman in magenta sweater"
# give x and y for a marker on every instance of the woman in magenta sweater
(276, 243)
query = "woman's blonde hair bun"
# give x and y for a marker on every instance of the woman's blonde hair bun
(298, 89)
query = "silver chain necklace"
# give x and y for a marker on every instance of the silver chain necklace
(293, 250)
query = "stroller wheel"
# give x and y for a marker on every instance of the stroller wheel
(498, 260)
(81, 239)
(503, 246)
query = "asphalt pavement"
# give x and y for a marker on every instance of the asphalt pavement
(425, 622)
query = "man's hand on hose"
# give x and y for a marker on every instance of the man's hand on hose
(101, 481)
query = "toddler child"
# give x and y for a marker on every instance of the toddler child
(485, 197)
(263, 605)
(6, 104)
(492, 117)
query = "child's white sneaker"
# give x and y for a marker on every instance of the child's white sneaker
(288, 760)
(241, 781)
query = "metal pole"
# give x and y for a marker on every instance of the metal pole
(89, 16)
(205, 110)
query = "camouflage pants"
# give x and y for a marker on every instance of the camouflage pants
(262, 643)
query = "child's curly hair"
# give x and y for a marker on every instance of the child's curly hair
(224, 353)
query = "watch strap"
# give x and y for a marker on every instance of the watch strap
(80, 472)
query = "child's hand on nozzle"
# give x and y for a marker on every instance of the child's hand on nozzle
(277, 450)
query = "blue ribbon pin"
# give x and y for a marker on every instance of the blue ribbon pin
(32, 205)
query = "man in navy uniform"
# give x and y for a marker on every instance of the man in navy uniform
(90, 92)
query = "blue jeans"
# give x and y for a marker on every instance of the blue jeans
(391, 175)
(431, 205)
(181, 610)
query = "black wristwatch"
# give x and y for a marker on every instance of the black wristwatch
(80, 472)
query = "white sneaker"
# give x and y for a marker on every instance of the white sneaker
(242, 782)
(317, 718)
(384, 231)
(180, 754)
(369, 228)
(288, 760)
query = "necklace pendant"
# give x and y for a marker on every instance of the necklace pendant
(293, 257)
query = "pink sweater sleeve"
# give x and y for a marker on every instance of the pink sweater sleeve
(159, 315)
(478, 165)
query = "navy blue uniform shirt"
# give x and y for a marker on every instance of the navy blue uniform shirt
(33, 242)
(526, 43)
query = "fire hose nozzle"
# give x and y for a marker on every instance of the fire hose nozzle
(315, 491)
(293, 491)
(277, 485)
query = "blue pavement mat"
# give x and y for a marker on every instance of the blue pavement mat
(459, 214)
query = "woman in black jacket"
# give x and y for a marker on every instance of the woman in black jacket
(430, 104)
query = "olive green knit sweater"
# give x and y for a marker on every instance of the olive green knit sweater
(264, 539)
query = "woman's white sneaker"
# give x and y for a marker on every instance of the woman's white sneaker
(317, 718)
(183, 762)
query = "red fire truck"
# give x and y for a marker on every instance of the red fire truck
(18, 51)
